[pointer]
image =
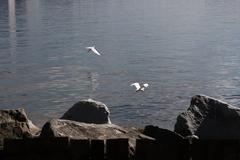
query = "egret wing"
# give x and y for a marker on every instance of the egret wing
(95, 51)
(146, 85)
(137, 85)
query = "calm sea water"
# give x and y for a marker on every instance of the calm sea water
(181, 48)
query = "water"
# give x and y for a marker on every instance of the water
(181, 48)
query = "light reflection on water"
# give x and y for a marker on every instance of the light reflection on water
(181, 48)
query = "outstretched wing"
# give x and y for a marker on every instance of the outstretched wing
(88, 48)
(95, 51)
(137, 85)
(145, 85)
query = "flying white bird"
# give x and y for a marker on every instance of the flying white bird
(93, 50)
(140, 87)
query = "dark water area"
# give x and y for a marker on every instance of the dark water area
(181, 48)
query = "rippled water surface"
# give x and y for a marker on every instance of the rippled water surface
(181, 48)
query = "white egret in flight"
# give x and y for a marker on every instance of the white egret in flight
(140, 87)
(93, 50)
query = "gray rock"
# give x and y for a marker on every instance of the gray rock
(88, 111)
(15, 124)
(79, 130)
(161, 134)
(209, 118)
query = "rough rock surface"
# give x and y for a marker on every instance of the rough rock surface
(15, 124)
(161, 134)
(88, 111)
(209, 118)
(79, 130)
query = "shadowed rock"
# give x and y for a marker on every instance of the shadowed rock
(209, 118)
(15, 124)
(161, 134)
(88, 111)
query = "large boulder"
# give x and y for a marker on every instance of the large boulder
(15, 124)
(79, 130)
(161, 134)
(209, 118)
(88, 111)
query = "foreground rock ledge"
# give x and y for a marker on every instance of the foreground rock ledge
(15, 124)
(209, 118)
(88, 111)
(78, 130)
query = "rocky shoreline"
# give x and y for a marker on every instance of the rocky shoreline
(206, 118)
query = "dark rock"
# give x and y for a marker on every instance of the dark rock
(88, 111)
(191, 138)
(79, 130)
(209, 118)
(170, 142)
(161, 134)
(15, 124)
